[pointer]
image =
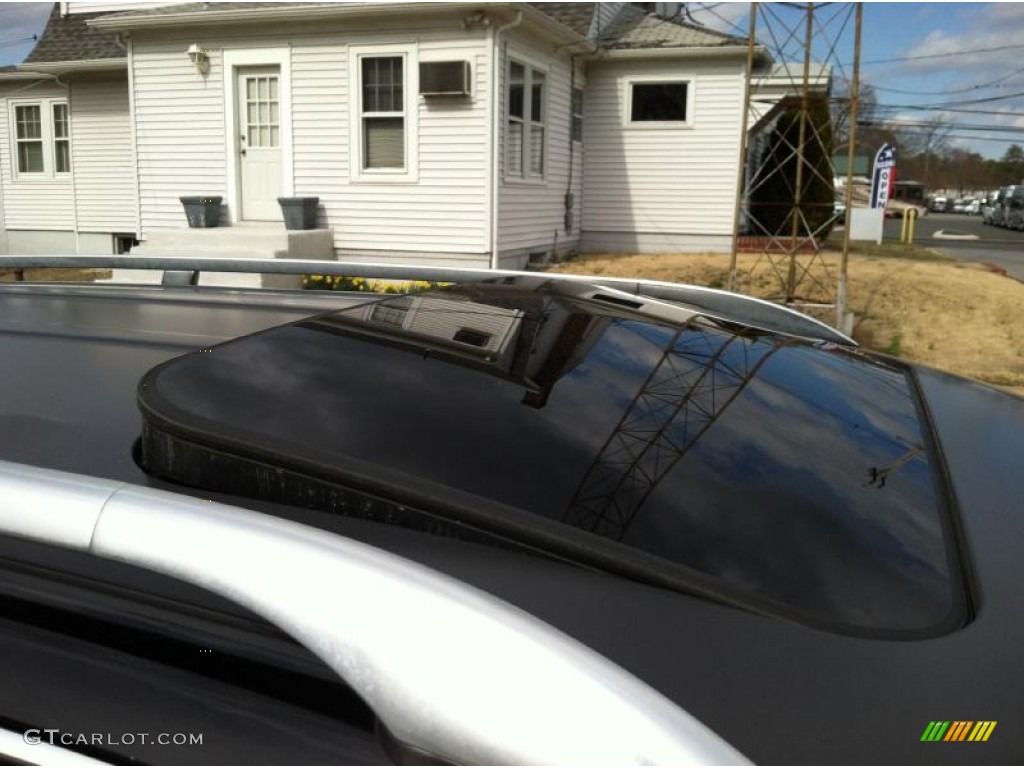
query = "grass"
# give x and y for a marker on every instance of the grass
(908, 302)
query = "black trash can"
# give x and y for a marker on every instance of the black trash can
(299, 212)
(202, 212)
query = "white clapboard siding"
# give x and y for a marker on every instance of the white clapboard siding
(532, 212)
(103, 163)
(179, 130)
(31, 204)
(182, 146)
(662, 181)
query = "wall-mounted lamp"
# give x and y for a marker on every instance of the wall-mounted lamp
(198, 58)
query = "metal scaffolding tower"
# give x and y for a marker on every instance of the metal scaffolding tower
(799, 65)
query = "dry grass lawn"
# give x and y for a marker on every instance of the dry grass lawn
(956, 316)
(56, 275)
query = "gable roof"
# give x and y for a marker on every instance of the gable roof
(74, 38)
(634, 28)
(70, 38)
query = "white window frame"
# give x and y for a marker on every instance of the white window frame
(529, 67)
(574, 115)
(411, 101)
(654, 125)
(47, 137)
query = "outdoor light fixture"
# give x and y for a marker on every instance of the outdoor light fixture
(198, 58)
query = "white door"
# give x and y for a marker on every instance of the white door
(259, 143)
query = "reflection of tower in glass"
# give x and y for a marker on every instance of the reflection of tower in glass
(699, 374)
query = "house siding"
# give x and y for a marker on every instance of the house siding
(179, 130)
(103, 166)
(443, 212)
(661, 188)
(531, 213)
(31, 204)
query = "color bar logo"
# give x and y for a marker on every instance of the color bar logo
(958, 730)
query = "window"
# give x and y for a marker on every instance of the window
(263, 111)
(29, 125)
(384, 84)
(61, 139)
(659, 102)
(577, 114)
(526, 118)
(516, 115)
(383, 112)
(42, 138)
(392, 312)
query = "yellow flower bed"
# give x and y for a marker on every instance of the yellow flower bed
(364, 285)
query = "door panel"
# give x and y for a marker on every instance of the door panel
(259, 143)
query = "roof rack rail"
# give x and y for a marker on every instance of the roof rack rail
(484, 682)
(722, 305)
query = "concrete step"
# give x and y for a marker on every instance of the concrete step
(241, 242)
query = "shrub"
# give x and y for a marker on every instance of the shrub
(773, 203)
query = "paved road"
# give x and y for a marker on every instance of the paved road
(994, 245)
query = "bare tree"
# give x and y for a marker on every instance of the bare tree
(928, 141)
(867, 107)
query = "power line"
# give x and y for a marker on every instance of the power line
(968, 52)
(952, 126)
(958, 110)
(978, 87)
(22, 41)
(967, 137)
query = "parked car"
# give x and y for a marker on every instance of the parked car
(973, 208)
(1013, 208)
(939, 204)
(521, 518)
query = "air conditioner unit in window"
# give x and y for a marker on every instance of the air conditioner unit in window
(445, 78)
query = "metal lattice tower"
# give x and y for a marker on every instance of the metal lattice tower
(775, 220)
(698, 376)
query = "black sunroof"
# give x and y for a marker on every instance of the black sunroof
(750, 466)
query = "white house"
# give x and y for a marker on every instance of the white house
(459, 133)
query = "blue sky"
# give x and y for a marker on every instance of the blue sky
(929, 37)
(966, 57)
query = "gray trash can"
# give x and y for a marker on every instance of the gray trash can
(299, 212)
(202, 211)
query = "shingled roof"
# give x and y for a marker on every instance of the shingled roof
(575, 16)
(68, 38)
(634, 28)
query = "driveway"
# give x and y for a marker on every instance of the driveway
(993, 245)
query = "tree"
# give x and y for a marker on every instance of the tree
(1012, 165)
(867, 109)
(773, 198)
(929, 141)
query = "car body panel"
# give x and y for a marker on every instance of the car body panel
(779, 691)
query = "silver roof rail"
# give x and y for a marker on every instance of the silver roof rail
(451, 671)
(745, 310)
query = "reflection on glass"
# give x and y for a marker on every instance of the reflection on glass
(790, 475)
